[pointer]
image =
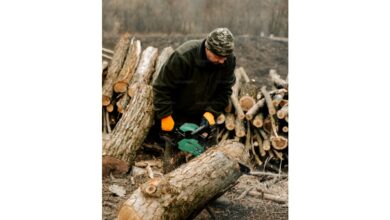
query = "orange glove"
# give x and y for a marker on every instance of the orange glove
(167, 123)
(209, 117)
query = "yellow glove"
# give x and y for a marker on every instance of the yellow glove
(167, 123)
(209, 117)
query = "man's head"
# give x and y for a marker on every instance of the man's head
(220, 41)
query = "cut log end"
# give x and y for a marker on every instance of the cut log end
(221, 119)
(110, 108)
(106, 100)
(279, 143)
(127, 212)
(246, 102)
(120, 87)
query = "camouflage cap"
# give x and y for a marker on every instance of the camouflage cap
(220, 41)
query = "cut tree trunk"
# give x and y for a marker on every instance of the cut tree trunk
(165, 54)
(129, 67)
(186, 191)
(282, 113)
(279, 142)
(145, 69)
(221, 119)
(115, 67)
(131, 130)
(258, 121)
(247, 96)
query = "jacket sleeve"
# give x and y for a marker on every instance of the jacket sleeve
(166, 83)
(224, 91)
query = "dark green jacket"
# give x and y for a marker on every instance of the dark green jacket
(189, 84)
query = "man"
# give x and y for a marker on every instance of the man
(194, 85)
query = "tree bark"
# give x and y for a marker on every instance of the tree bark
(234, 97)
(165, 54)
(129, 67)
(132, 128)
(115, 67)
(145, 69)
(239, 128)
(266, 142)
(189, 188)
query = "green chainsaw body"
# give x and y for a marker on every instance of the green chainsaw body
(189, 143)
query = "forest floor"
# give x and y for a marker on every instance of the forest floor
(257, 55)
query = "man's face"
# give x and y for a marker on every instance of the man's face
(214, 58)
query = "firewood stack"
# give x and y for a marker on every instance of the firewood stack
(256, 117)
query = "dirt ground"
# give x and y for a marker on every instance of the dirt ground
(257, 55)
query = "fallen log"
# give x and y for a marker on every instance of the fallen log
(132, 128)
(115, 67)
(129, 67)
(188, 189)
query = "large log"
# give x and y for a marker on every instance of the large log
(132, 128)
(144, 70)
(165, 54)
(129, 67)
(184, 192)
(115, 67)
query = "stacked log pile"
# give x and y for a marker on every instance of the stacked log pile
(256, 117)
(127, 100)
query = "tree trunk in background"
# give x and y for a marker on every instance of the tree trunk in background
(187, 190)
(165, 54)
(145, 69)
(115, 67)
(132, 128)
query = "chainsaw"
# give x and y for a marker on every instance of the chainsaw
(191, 138)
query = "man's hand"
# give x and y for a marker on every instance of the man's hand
(209, 118)
(167, 123)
